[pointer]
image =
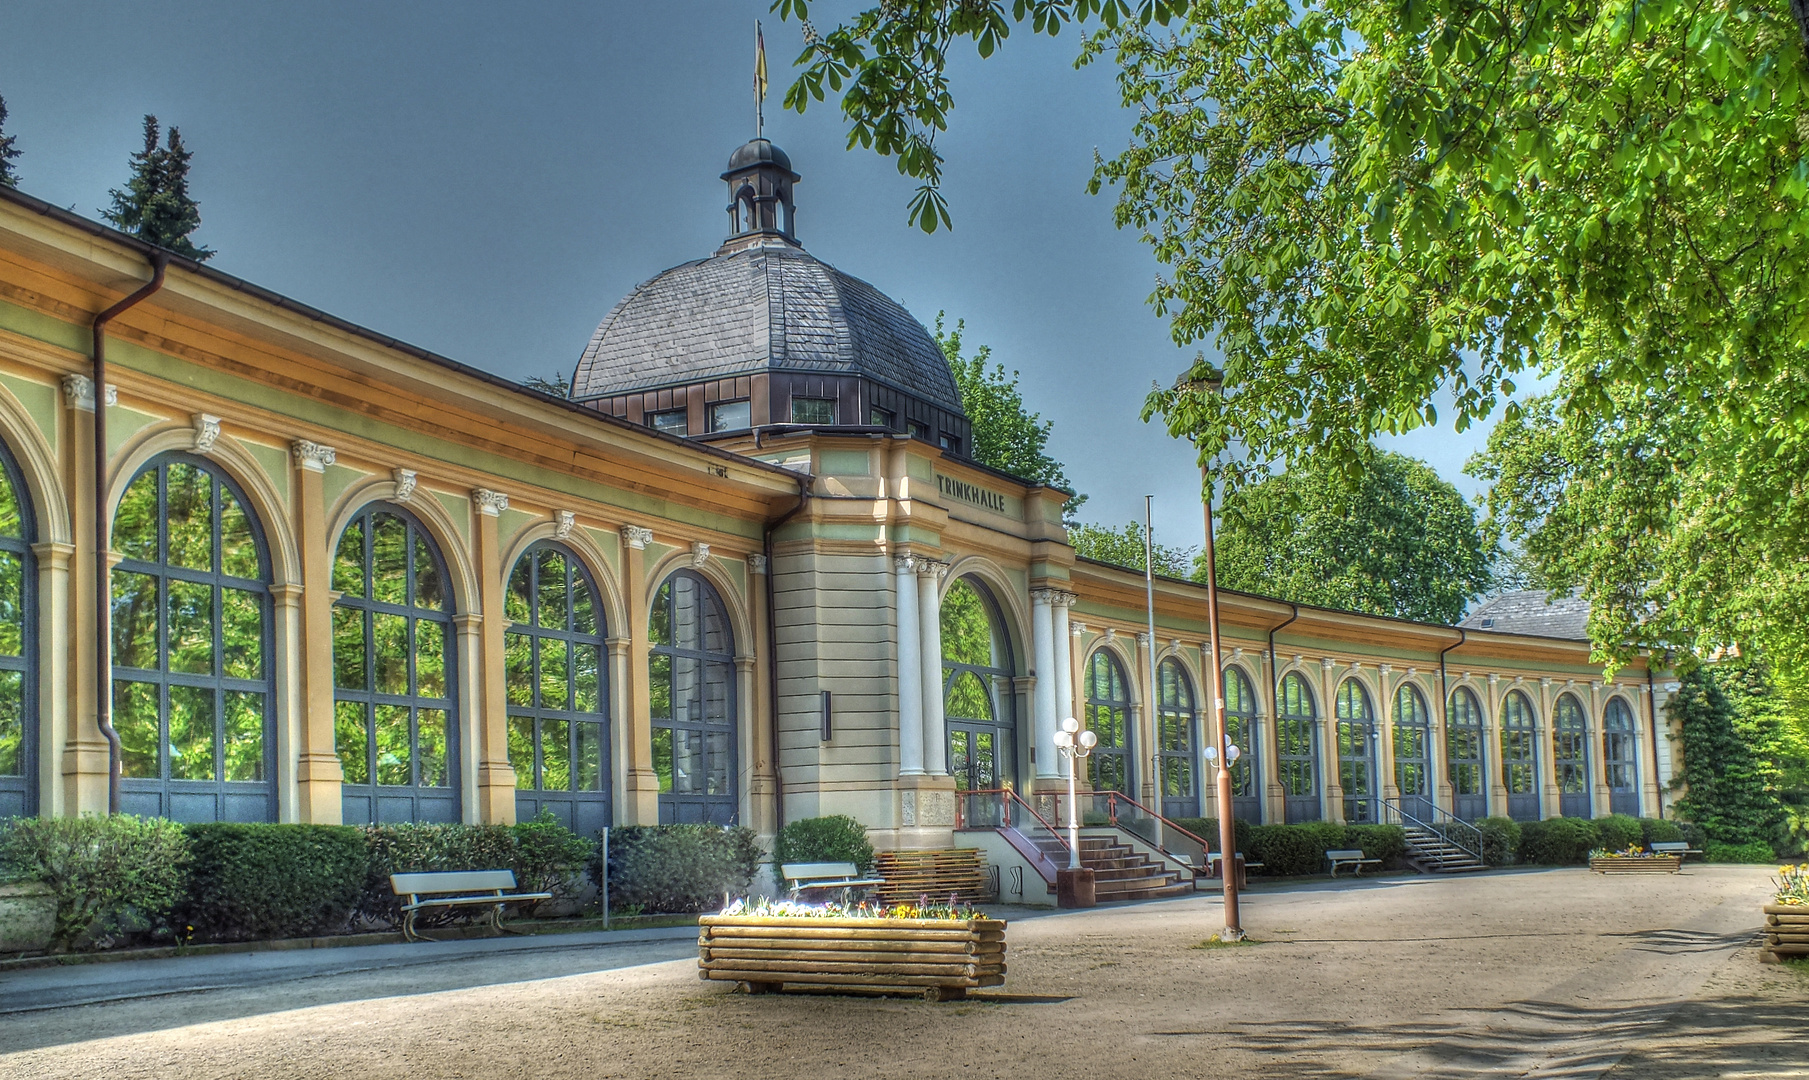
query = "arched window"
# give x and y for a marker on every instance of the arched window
(393, 672)
(977, 702)
(557, 690)
(18, 648)
(1356, 752)
(1463, 743)
(1296, 719)
(1109, 718)
(1621, 754)
(192, 684)
(1175, 723)
(1520, 756)
(1412, 759)
(692, 688)
(1570, 751)
(1241, 726)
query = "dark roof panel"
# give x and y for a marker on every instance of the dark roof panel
(1533, 611)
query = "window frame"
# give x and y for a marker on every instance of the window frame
(1115, 710)
(829, 403)
(19, 794)
(674, 805)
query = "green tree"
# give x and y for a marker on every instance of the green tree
(1006, 435)
(1730, 725)
(558, 385)
(1124, 547)
(9, 150)
(1403, 542)
(155, 204)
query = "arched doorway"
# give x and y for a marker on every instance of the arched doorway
(691, 686)
(394, 672)
(557, 689)
(192, 679)
(18, 647)
(1570, 752)
(1179, 757)
(1412, 759)
(1296, 721)
(1520, 756)
(1620, 753)
(1356, 752)
(1241, 726)
(1464, 756)
(978, 704)
(1109, 767)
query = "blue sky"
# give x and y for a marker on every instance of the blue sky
(488, 180)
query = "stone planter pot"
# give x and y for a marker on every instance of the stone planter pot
(28, 916)
(1786, 932)
(1643, 864)
(940, 958)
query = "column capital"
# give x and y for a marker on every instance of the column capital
(207, 432)
(1042, 596)
(700, 554)
(489, 503)
(1065, 599)
(563, 523)
(1385, 669)
(312, 456)
(756, 564)
(932, 569)
(53, 554)
(1144, 640)
(405, 484)
(906, 563)
(1077, 629)
(78, 393)
(636, 536)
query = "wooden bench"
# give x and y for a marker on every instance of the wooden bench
(458, 888)
(1353, 858)
(1674, 847)
(823, 876)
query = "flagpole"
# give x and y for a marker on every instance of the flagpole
(759, 82)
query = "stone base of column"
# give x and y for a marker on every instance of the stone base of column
(496, 793)
(926, 807)
(640, 801)
(86, 772)
(317, 794)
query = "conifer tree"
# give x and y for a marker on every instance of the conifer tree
(155, 205)
(9, 177)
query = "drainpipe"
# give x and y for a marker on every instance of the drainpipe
(1275, 688)
(103, 659)
(1652, 714)
(772, 651)
(1444, 685)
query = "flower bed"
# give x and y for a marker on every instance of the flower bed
(939, 951)
(1787, 917)
(1634, 860)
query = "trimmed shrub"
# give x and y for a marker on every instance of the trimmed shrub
(1658, 831)
(113, 876)
(1207, 829)
(550, 858)
(1618, 832)
(1738, 853)
(264, 881)
(415, 848)
(836, 838)
(1558, 841)
(1693, 835)
(1385, 842)
(1292, 850)
(1500, 840)
(678, 868)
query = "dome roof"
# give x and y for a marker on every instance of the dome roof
(766, 307)
(756, 152)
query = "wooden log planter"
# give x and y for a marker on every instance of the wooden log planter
(1786, 932)
(942, 959)
(1637, 864)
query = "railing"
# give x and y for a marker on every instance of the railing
(1005, 810)
(1451, 829)
(1115, 809)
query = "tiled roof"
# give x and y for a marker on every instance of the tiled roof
(770, 306)
(1533, 611)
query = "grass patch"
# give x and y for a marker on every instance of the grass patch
(1217, 942)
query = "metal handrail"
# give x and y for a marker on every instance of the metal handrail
(1011, 796)
(1440, 828)
(1112, 799)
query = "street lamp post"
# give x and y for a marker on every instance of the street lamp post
(1074, 745)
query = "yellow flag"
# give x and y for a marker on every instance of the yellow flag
(759, 80)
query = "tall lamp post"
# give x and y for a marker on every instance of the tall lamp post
(1074, 745)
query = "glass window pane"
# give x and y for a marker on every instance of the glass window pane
(135, 522)
(429, 589)
(191, 733)
(244, 735)
(585, 677)
(968, 700)
(966, 627)
(518, 669)
(12, 522)
(717, 746)
(191, 623)
(715, 626)
(662, 757)
(587, 766)
(238, 548)
(584, 608)
(659, 620)
(135, 719)
(555, 680)
(189, 517)
(134, 620)
(389, 559)
(242, 627)
(352, 742)
(348, 561)
(659, 686)
(433, 747)
(518, 600)
(556, 755)
(552, 613)
(12, 723)
(392, 746)
(389, 648)
(731, 416)
(521, 751)
(12, 601)
(430, 658)
(348, 648)
(687, 762)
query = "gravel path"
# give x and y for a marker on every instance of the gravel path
(1542, 973)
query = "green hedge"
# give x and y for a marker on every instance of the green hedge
(114, 877)
(545, 856)
(1292, 850)
(1618, 832)
(678, 868)
(837, 838)
(1658, 831)
(1558, 841)
(1207, 829)
(1500, 840)
(1753, 852)
(271, 881)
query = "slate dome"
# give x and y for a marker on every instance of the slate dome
(755, 151)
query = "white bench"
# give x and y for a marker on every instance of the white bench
(821, 876)
(1674, 847)
(458, 888)
(1353, 858)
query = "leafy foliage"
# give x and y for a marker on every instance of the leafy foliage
(557, 386)
(1402, 542)
(1750, 853)
(1293, 850)
(155, 205)
(544, 855)
(1618, 832)
(9, 151)
(1558, 841)
(1124, 547)
(1208, 829)
(1500, 840)
(1006, 435)
(678, 868)
(112, 875)
(271, 881)
(1734, 734)
(836, 838)
(1658, 831)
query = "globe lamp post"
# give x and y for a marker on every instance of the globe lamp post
(1074, 745)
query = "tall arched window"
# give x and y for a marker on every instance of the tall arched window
(1241, 726)
(1412, 759)
(1109, 718)
(692, 689)
(18, 648)
(1296, 719)
(192, 684)
(977, 702)
(1570, 751)
(558, 697)
(393, 672)
(1621, 755)
(1464, 756)
(1175, 723)
(1356, 752)
(1520, 756)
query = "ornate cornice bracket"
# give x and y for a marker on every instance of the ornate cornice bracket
(312, 456)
